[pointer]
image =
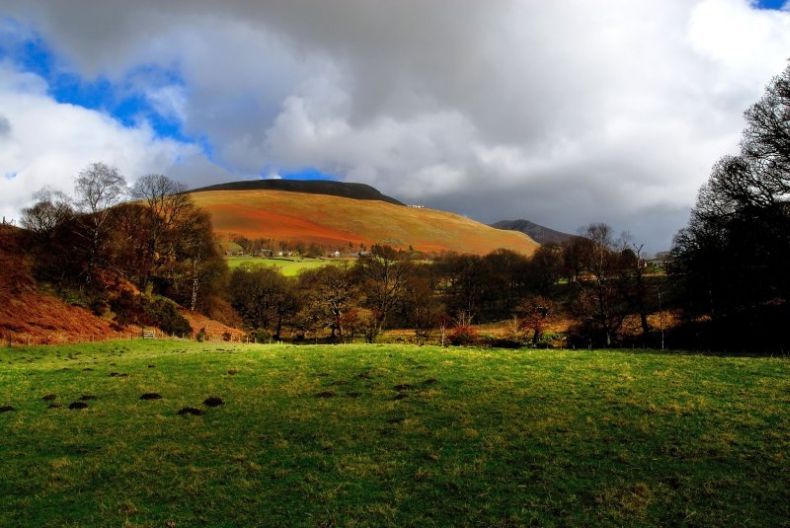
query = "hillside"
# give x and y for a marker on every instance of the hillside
(539, 233)
(335, 222)
(358, 191)
(31, 313)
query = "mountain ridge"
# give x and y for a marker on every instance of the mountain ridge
(356, 191)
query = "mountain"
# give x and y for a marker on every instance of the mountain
(347, 216)
(357, 191)
(539, 233)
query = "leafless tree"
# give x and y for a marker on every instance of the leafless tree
(52, 208)
(383, 276)
(97, 188)
(165, 203)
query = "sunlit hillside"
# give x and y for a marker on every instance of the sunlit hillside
(334, 221)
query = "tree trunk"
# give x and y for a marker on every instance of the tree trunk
(195, 285)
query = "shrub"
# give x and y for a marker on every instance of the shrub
(463, 336)
(163, 313)
(128, 308)
(503, 342)
(201, 335)
(260, 335)
(226, 336)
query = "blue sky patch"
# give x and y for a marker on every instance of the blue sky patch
(307, 173)
(121, 100)
(770, 4)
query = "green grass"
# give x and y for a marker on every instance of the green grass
(500, 438)
(287, 266)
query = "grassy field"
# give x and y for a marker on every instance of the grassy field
(389, 436)
(288, 267)
(334, 222)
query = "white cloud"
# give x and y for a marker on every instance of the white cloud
(46, 143)
(563, 112)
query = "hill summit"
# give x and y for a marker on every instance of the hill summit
(356, 191)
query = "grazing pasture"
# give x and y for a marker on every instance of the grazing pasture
(287, 266)
(175, 433)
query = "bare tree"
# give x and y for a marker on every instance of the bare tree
(96, 189)
(52, 208)
(383, 279)
(633, 280)
(600, 298)
(166, 203)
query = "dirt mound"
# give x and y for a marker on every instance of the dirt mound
(213, 401)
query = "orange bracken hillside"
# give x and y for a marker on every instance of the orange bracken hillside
(333, 221)
(31, 316)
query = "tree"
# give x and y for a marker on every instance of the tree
(196, 269)
(166, 204)
(263, 297)
(575, 255)
(599, 298)
(545, 269)
(423, 310)
(96, 189)
(731, 259)
(462, 283)
(536, 313)
(328, 293)
(634, 284)
(382, 277)
(52, 208)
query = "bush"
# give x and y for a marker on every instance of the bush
(128, 308)
(260, 335)
(201, 335)
(463, 336)
(501, 342)
(163, 313)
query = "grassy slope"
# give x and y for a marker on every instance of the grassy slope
(501, 438)
(334, 221)
(289, 268)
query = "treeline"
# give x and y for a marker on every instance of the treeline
(594, 279)
(263, 247)
(731, 262)
(136, 260)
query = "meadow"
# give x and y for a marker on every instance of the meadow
(176, 433)
(288, 267)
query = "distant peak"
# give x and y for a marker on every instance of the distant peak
(537, 232)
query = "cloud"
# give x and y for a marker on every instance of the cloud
(46, 143)
(561, 112)
(5, 127)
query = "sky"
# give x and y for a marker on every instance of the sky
(564, 112)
